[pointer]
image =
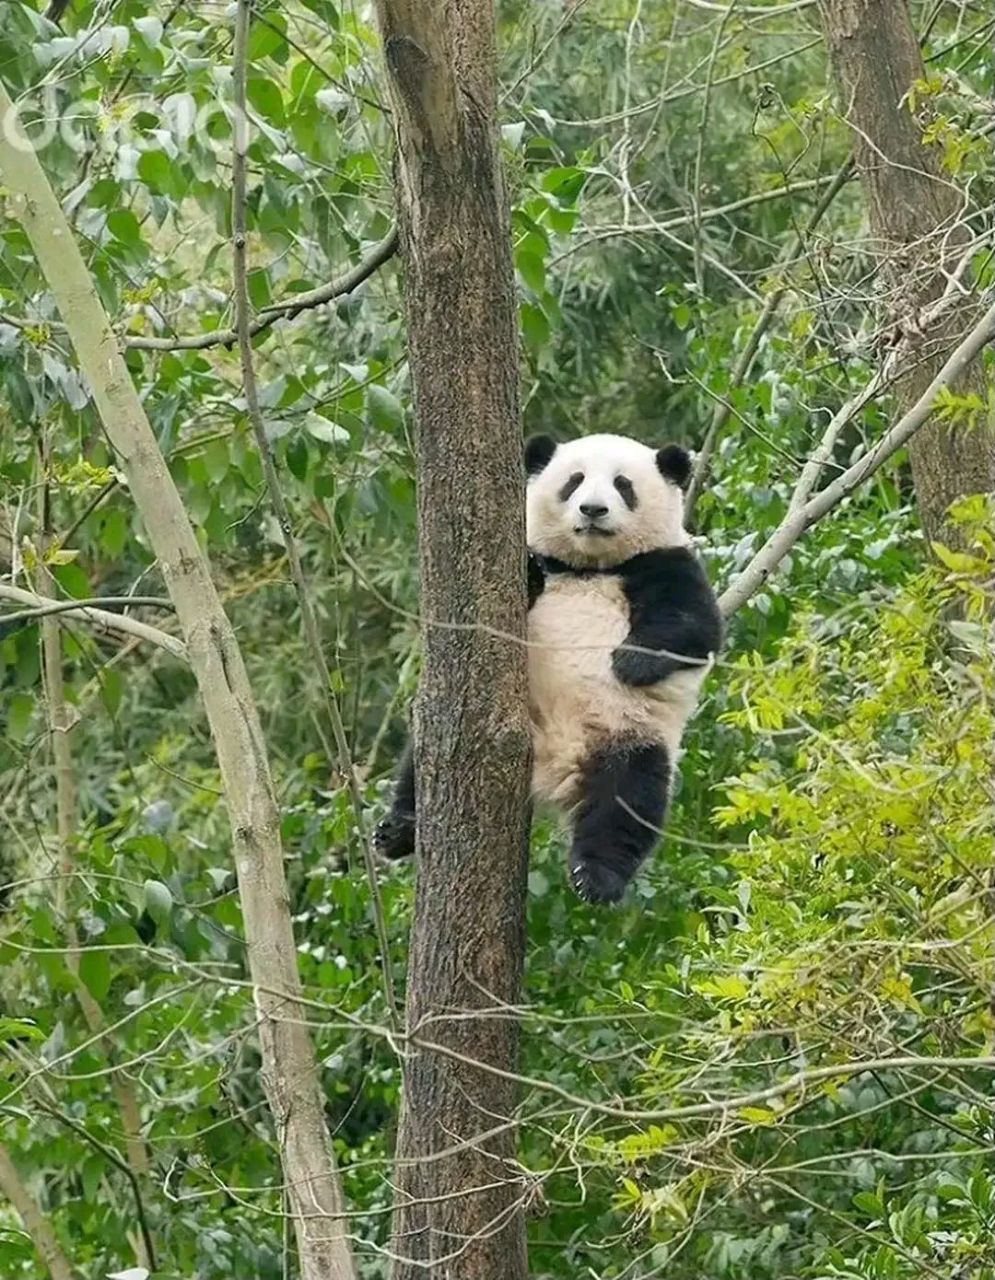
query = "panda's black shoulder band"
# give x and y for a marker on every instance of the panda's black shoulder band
(550, 564)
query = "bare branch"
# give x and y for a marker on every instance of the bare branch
(615, 230)
(337, 288)
(7, 620)
(801, 517)
(771, 306)
(99, 618)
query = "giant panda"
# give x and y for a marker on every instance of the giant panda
(622, 629)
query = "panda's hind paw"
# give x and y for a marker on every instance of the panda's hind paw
(394, 837)
(596, 883)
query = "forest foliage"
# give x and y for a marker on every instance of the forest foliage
(751, 1068)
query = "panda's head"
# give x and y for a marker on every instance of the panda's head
(599, 500)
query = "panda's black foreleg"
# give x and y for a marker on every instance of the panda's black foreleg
(619, 819)
(394, 837)
(536, 579)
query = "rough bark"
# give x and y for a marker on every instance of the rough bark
(289, 1073)
(915, 216)
(459, 1216)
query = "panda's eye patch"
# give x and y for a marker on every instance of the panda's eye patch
(624, 485)
(571, 485)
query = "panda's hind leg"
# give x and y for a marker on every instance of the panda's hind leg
(394, 837)
(617, 823)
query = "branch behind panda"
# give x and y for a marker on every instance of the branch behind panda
(802, 515)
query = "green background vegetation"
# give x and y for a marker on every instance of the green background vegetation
(824, 894)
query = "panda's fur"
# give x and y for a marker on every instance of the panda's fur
(622, 629)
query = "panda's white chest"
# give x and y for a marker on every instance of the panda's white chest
(575, 698)
(573, 628)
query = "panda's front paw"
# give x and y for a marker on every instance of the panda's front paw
(597, 883)
(634, 667)
(394, 837)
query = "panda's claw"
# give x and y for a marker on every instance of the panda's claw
(597, 884)
(394, 838)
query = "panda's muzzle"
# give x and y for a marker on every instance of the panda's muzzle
(593, 513)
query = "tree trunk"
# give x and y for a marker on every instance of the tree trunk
(459, 1215)
(289, 1070)
(36, 1225)
(914, 212)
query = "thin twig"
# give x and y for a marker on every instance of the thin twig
(684, 219)
(244, 327)
(743, 365)
(99, 618)
(337, 288)
(800, 518)
(8, 620)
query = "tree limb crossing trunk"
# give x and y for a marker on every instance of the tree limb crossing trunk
(290, 1073)
(459, 1216)
(914, 211)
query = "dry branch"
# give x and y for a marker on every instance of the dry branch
(336, 288)
(802, 515)
(101, 619)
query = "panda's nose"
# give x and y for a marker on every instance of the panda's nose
(593, 510)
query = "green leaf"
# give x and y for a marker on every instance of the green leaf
(870, 1203)
(72, 580)
(383, 407)
(20, 709)
(322, 429)
(158, 900)
(565, 182)
(217, 459)
(156, 170)
(114, 532)
(95, 973)
(267, 37)
(681, 315)
(297, 457)
(958, 561)
(19, 1029)
(111, 689)
(535, 326)
(538, 884)
(124, 226)
(266, 98)
(728, 986)
(757, 1115)
(260, 294)
(532, 269)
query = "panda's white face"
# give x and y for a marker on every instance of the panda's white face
(599, 500)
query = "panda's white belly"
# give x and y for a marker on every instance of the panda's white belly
(577, 704)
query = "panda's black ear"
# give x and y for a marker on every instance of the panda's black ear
(674, 464)
(538, 451)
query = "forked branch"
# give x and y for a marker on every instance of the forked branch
(802, 515)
